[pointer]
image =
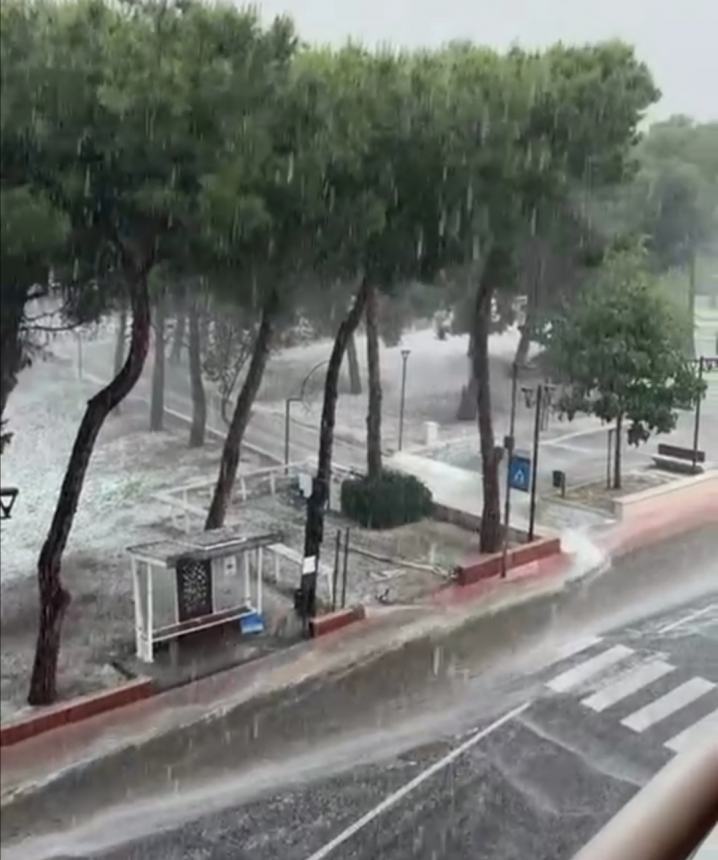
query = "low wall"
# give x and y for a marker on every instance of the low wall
(490, 565)
(73, 711)
(320, 625)
(665, 511)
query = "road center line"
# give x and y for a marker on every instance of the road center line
(402, 792)
(690, 617)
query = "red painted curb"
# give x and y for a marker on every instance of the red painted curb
(323, 624)
(489, 566)
(52, 717)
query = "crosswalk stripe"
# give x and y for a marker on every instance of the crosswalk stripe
(695, 734)
(575, 676)
(627, 684)
(570, 649)
(661, 708)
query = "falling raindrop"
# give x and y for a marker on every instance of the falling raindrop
(290, 168)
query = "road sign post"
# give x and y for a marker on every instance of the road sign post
(520, 472)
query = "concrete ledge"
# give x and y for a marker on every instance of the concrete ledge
(45, 719)
(455, 517)
(487, 566)
(679, 492)
(323, 624)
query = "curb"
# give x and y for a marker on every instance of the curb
(332, 621)
(74, 711)
(489, 566)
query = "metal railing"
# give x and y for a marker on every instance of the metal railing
(669, 818)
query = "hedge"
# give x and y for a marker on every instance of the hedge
(392, 500)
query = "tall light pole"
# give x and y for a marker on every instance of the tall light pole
(708, 364)
(405, 353)
(540, 397)
(509, 444)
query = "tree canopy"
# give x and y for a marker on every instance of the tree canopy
(618, 351)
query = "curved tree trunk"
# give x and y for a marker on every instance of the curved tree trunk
(373, 418)
(490, 537)
(314, 529)
(120, 340)
(240, 418)
(199, 400)
(353, 362)
(54, 598)
(157, 401)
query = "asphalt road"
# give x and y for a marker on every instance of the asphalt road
(536, 781)
(527, 752)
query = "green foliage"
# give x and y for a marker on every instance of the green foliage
(619, 351)
(392, 500)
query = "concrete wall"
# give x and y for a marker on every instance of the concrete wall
(665, 511)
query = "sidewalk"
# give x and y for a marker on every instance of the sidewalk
(30, 765)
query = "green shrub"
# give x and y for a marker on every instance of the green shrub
(392, 500)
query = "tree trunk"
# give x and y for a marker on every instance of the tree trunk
(54, 598)
(199, 400)
(314, 530)
(157, 402)
(617, 454)
(490, 537)
(467, 402)
(353, 362)
(240, 418)
(522, 350)
(120, 340)
(178, 338)
(373, 418)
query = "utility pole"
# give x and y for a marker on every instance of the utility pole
(404, 357)
(510, 444)
(534, 463)
(697, 424)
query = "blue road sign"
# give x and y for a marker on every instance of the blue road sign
(520, 472)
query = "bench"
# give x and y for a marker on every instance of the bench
(201, 622)
(673, 458)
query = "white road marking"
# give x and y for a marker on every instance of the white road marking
(661, 708)
(713, 607)
(400, 793)
(627, 684)
(575, 434)
(570, 649)
(575, 676)
(695, 734)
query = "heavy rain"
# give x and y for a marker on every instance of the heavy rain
(359, 430)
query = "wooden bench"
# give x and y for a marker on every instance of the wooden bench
(673, 458)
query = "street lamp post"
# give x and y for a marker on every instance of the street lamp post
(707, 364)
(540, 397)
(404, 357)
(509, 445)
(697, 423)
(534, 464)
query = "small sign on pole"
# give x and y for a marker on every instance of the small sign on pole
(520, 472)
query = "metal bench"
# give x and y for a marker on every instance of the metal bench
(673, 458)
